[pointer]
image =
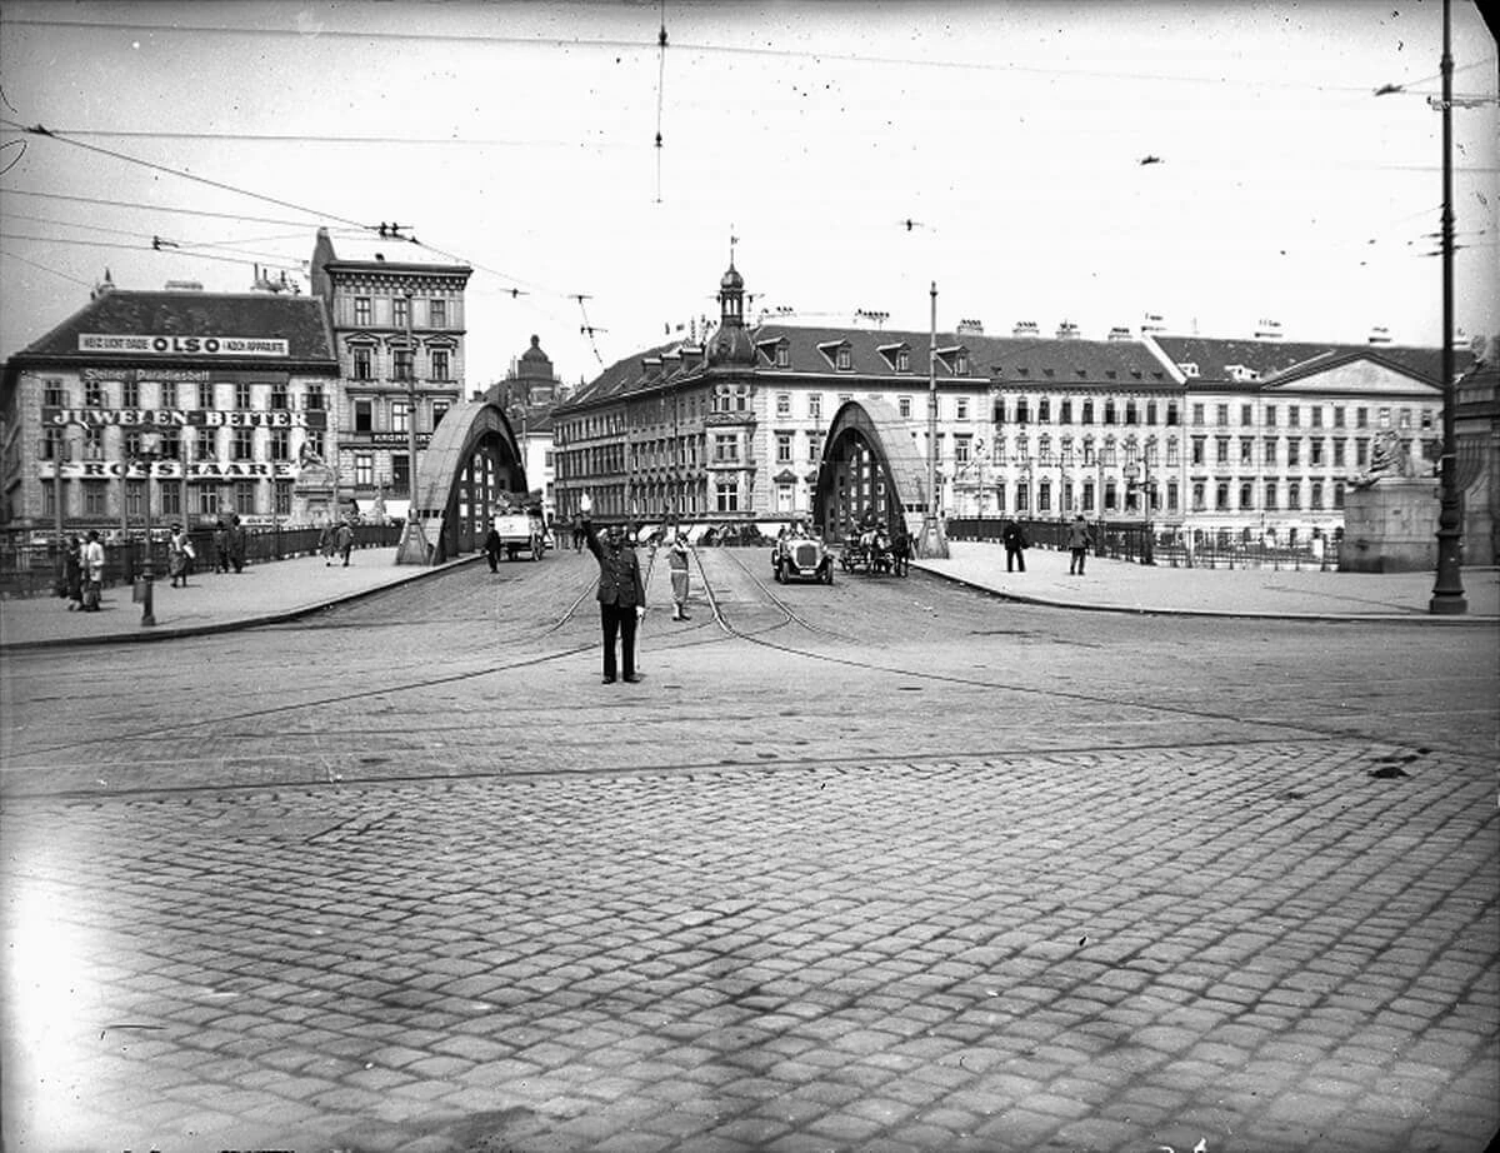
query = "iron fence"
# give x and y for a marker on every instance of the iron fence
(28, 568)
(1174, 547)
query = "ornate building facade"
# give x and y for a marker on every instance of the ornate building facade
(1233, 440)
(398, 330)
(215, 397)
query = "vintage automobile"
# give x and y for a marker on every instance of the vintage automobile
(801, 558)
(521, 532)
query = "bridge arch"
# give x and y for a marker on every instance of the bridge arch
(870, 467)
(473, 457)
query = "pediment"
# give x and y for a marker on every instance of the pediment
(1363, 375)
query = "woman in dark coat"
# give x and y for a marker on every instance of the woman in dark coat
(73, 573)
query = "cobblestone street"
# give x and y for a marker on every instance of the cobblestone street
(1265, 948)
(885, 867)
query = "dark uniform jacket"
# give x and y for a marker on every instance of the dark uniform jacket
(619, 571)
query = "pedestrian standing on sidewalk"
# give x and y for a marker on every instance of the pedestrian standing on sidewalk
(492, 548)
(621, 595)
(327, 542)
(677, 562)
(73, 574)
(236, 543)
(221, 546)
(1079, 540)
(178, 555)
(1013, 537)
(93, 572)
(346, 541)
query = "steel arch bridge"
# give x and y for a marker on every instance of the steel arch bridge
(871, 469)
(473, 456)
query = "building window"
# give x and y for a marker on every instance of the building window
(845, 361)
(1268, 451)
(53, 395)
(1172, 496)
(207, 497)
(1247, 415)
(437, 313)
(903, 406)
(727, 496)
(1109, 411)
(1270, 503)
(1221, 496)
(205, 395)
(94, 498)
(364, 469)
(783, 404)
(1315, 499)
(1338, 453)
(280, 397)
(1338, 495)
(1221, 450)
(315, 398)
(1221, 415)
(364, 420)
(726, 448)
(244, 444)
(903, 360)
(1338, 416)
(1065, 412)
(1023, 410)
(961, 407)
(1294, 453)
(783, 448)
(401, 472)
(281, 444)
(814, 447)
(1361, 418)
(962, 449)
(439, 410)
(134, 444)
(1294, 495)
(1293, 416)
(815, 405)
(1361, 452)
(1172, 414)
(281, 495)
(171, 500)
(1044, 496)
(204, 444)
(363, 312)
(1247, 450)
(1132, 413)
(439, 359)
(1427, 420)
(169, 446)
(400, 311)
(1315, 452)
(1088, 496)
(93, 393)
(135, 498)
(1316, 412)
(1198, 454)
(169, 394)
(93, 444)
(363, 369)
(242, 396)
(1197, 416)
(400, 410)
(1247, 496)
(1088, 413)
(244, 496)
(1198, 498)
(1383, 418)
(961, 364)
(403, 364)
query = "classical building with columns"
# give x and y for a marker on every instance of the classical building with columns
(1229, 440)
(398, 330)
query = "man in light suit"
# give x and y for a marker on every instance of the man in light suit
(621, 596)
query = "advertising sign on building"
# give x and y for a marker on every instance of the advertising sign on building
(161, 345)
(185, 417)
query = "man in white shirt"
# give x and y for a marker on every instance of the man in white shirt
(93, 572)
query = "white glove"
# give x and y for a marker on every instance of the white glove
(585, 503)
(640, 612)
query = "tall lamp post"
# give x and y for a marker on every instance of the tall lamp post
(1148, 493)
(1448, 591)
(933, 543)
(146, 461)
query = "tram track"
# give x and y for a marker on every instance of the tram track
(243, 725)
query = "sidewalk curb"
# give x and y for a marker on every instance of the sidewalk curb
(1213, 614)
(153, 634)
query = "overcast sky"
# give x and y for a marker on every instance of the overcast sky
(520, 138)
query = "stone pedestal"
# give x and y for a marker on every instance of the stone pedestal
(1391, 527)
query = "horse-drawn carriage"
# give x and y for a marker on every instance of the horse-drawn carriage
(873, 550)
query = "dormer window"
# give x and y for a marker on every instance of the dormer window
(777, 352)
(956, 359)
(1189, 370)
(898, 356)
(838, 354)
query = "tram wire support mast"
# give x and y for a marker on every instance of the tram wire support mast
(1448, 589)
(933, 544)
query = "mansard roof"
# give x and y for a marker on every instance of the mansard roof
(302, 321)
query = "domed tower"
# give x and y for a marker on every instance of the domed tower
(534, 374)
(731, 345)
